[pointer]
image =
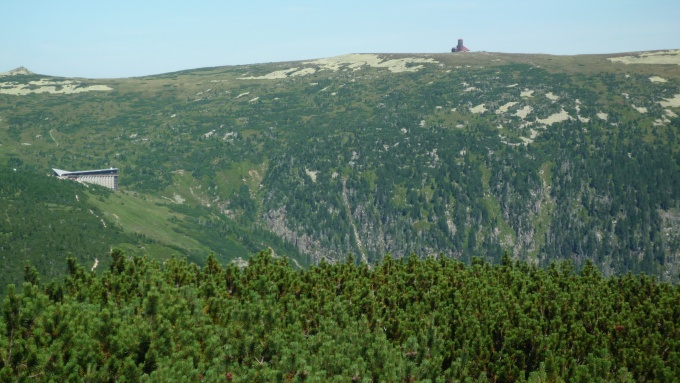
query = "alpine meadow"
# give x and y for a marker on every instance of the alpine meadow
(473, 216)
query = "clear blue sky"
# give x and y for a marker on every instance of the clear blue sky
(121, 38)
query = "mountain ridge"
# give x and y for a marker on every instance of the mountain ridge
(672, 53)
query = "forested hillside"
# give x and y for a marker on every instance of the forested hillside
(43, 220)
(546, 157)
(408, 320)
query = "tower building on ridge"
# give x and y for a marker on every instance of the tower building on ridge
(460, 47)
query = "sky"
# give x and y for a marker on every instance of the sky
(127, 38)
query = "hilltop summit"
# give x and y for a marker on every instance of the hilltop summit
(17, 71)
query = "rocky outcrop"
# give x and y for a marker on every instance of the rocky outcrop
(277, 223)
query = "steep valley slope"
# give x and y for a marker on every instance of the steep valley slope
(457, 155)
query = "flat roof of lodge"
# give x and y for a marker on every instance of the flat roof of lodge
(62, 173)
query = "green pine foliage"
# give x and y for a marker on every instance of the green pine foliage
(408, 320)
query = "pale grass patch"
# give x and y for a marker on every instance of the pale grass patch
(279, 74)
(602, 116)
(504, 141)
(303, 72)
(657, 79)
(560, 116)
(524, 112)
(640, 109)
(527, 140)
(351, 61)
(506, 107)
(312, 174)
(578, 111)
(671, 102)
(551, 96)
(356, 61)
(478, 109)
(661, 121)
(662, 57)
(527, 93)
(48, 86)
